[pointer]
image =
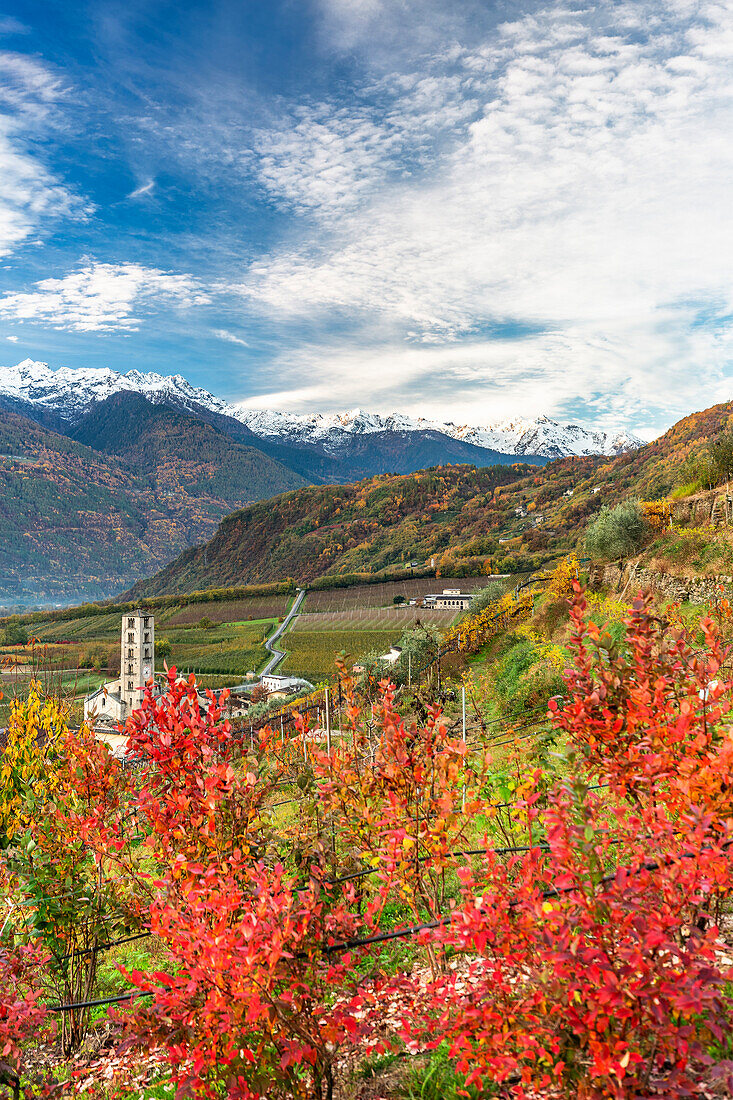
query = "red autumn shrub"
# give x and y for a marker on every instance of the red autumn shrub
(596, 968)
(245, 1003)
(20, 1012)
(592, 966)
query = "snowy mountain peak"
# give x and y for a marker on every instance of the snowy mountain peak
(519, 436)
(69, 393)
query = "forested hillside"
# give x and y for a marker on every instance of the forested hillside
(501, 518)
(173, 450)
(342, 528)
(80, 523)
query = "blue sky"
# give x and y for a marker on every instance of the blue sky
(467, 211)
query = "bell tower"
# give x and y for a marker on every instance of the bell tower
(137, 658)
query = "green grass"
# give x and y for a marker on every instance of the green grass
(438, 1080)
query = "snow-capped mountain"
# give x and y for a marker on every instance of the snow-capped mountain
(68, 394)
(330, 430)
(541, 436)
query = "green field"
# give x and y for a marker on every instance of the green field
(311, 653)
(222, 640)
(231, 649)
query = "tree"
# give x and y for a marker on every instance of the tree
(616, 532)
(398, 600)
(163, 647)
(15, 634)
(721, 453)
(66, 836)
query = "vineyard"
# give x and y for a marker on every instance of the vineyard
(372, 618)
(382, 595)
(228, 611)
(312, 653)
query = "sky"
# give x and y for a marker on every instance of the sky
(468, 211)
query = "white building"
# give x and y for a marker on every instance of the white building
(287, 684)
(391, 658)
(450, 599)
(117, 699)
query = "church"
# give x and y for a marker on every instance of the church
(116, 700)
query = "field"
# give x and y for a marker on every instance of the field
(380, 595)
(94, 628)
(227, 611)
(229, 648)
(72, 686)
(311, 653)
(229, 644)
(372, 618)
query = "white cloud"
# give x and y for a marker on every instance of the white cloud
(324, 159)
(230, 337)
(588, 197)
(483, 380)
(30, 195)
(142, 190)
(12, 339)
(102, 297)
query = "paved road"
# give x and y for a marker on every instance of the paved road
(278, 654)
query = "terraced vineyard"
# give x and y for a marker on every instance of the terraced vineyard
(228, 611)
(227, 649)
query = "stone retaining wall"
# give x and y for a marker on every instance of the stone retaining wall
(630, 578)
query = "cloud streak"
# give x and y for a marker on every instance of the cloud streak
(30, 195)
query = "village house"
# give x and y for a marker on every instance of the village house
(286, 685)
(391, 658)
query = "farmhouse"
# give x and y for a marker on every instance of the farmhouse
(391, 658)
(449, 599)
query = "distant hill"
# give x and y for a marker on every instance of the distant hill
(343, 528)
(509, 517)
(175, 450)
(81, 522)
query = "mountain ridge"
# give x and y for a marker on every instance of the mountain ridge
(66, 394)
(81, 522)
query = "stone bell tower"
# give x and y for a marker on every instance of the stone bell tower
(137, 663)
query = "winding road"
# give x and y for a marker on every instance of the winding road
(279, 654)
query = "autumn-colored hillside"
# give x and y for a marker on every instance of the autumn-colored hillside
(77, 522)
(501, 518)
(336, 529)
